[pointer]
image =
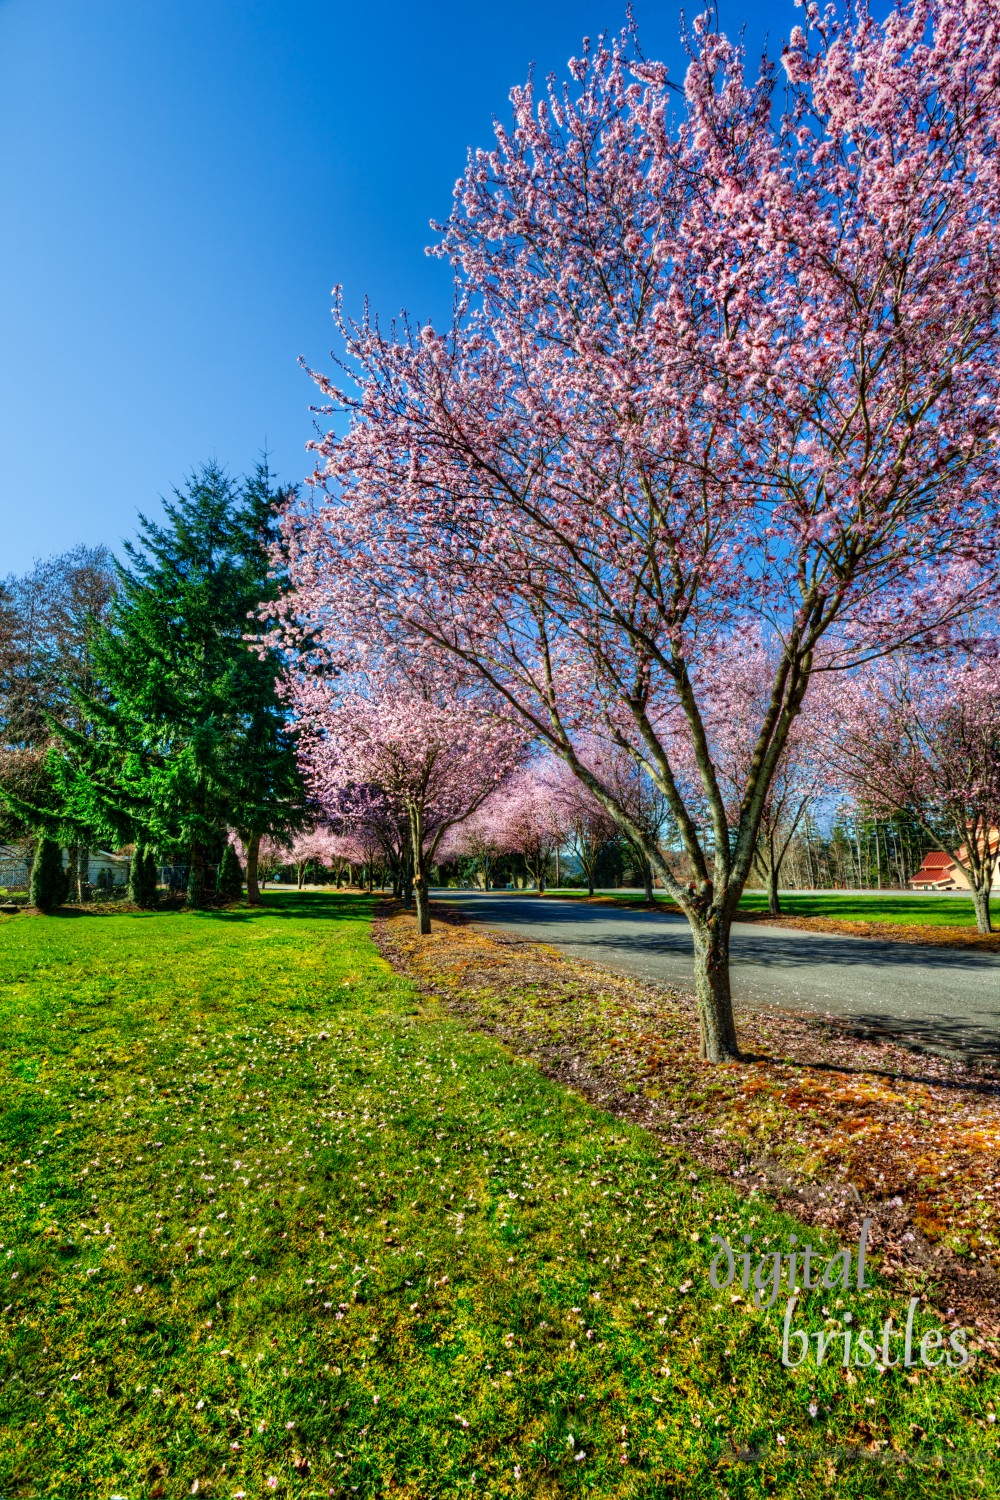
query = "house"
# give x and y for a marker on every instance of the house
(15, 867)
(940, 872)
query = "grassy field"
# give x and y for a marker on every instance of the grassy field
(908, 910)
(272, 1224)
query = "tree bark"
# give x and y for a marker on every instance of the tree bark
(773, 899)
(981, 902)
(253, 856)
(647, 881)
(712, 991)
(421, 888)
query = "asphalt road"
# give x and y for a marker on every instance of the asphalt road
(941, 999)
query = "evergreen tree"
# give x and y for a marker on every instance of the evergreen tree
(48, 878)
(230, 878)
(149, 880)
(135, 873)
(142, 878)
(189, 735)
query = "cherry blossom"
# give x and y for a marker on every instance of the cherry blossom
(715, 368)
(923, 736)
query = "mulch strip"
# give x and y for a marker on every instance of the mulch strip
(832, 1126)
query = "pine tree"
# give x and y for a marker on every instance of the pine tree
(189, 737)
(48, 878)
(229, 883)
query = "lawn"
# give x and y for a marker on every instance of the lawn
(904, 909)
(272, 1224)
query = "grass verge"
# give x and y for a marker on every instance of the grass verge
(942, 921)
(272, 1223)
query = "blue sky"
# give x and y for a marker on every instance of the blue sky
(181, 186)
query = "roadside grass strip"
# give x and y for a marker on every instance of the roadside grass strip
(272, 1223)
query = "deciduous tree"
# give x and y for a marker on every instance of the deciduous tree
(923, 737)
(715, 363)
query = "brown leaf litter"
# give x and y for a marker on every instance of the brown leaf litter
(832, 1124)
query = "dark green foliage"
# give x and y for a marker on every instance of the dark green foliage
(149, 877)
(49, 885)
(135, 876)
(229, 883)
(142, 878)
(189, 736)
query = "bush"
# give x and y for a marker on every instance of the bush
(150, 878)
(229, 882)
(142, 878)
(49, 883)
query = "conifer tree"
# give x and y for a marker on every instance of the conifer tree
(48, 878)
(189, 736)
(229, 883)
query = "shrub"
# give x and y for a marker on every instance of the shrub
(229, 883)
(142, 878)
(49, 883)
(150, 878)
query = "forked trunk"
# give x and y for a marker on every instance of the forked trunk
(712, 992)
(253, 856)
(981, 902)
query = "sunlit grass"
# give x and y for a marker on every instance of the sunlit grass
(910, 910)
(271, 1224)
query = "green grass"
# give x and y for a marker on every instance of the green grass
(930, 911)
(266, 1216)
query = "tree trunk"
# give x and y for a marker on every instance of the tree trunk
(773, 899)
(253, 855)
(558, 879)
(83, 873)
(422, 899)
(421, 888)
(712, 992)
(981, 901)
(590, 880)
(300, 874)
(647, 881)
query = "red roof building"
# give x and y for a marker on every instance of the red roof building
(941, 872)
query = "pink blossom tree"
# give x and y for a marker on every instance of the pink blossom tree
(712, 365)
(741, 687)
(428, 744)
(923, 737)
(587, 825)
(528, 818)
(312, 846)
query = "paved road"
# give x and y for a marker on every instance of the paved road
(942, 999)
